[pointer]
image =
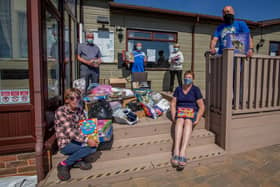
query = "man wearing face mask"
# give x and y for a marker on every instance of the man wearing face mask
(90, 57)
(230, 25)
(176, 60)
(139, 59)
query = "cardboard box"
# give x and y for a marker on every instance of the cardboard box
(140, 114)
(239, 42)
(118, 82)
(127, 100)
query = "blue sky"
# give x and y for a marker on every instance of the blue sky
(254, 10)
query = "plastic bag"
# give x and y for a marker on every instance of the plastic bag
(101, 110)
(134, 106)
(115, 105)
(149, 110)
(163, 104)
(156, 96)
(125, 116)
(80, 84)
(102, 90)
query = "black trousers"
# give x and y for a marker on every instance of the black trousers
(172, 78)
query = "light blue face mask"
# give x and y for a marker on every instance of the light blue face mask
(176, 49)
(138, 48)
(188, 81)
(90, 41)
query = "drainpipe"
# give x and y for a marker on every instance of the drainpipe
(34, 35)
(193, 42)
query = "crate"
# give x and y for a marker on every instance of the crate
(118, 82)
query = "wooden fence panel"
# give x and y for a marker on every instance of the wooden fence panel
(252, 78)
(245, 81)
(258, 83)
(237, 83)
(270, 82)
(264, 83)
(219, 83)
(276, 83)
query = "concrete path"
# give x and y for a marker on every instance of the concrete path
(257, 168)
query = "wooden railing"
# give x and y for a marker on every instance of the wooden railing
(242, 100)
(256, 84)
(253, 85)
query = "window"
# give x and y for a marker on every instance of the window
(14, 76)
(52, 55)
(274, 48)
(67, 47)
(55, 3)
(156, 45)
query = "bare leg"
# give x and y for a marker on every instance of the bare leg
(178, 137)
(186, 136)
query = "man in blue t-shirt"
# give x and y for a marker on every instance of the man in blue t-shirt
(229, 26)
(139, 59)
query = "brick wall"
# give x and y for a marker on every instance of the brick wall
(17, 164)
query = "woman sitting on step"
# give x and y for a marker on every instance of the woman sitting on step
(187, 108)
(69, 138)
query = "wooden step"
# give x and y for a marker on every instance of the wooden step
(147, 127)
(128, 166)
(132, 147)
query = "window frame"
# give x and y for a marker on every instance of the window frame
(153, 32)
(152, 35)
(278, 43)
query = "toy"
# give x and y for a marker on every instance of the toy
(88, 127)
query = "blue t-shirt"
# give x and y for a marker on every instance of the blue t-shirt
(188, 100)
(138, 65)
(224, 29)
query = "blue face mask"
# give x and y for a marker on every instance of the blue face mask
(138, 48)
(188, 81)
(90, 41)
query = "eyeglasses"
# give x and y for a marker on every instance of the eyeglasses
(72, 98)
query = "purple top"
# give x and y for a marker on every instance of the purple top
(187, 100)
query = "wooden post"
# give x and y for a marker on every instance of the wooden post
(226, 112)
(207, 100)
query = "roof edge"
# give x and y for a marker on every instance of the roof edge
(172, 12)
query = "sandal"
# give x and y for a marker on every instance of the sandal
(182, 163)
(175, 161)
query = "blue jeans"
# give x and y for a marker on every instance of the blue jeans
(76, 152)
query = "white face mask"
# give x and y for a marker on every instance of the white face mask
(176, 49)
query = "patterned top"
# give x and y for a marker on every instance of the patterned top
(67, 125)
(176, 60)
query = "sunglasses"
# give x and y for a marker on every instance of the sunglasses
(72, 98)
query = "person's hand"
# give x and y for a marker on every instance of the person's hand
(213, 51)
(92, 143)
(196, 121)
(95, 65)
(250, 53)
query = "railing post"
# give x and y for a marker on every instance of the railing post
(226, 105)
(207, 94)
